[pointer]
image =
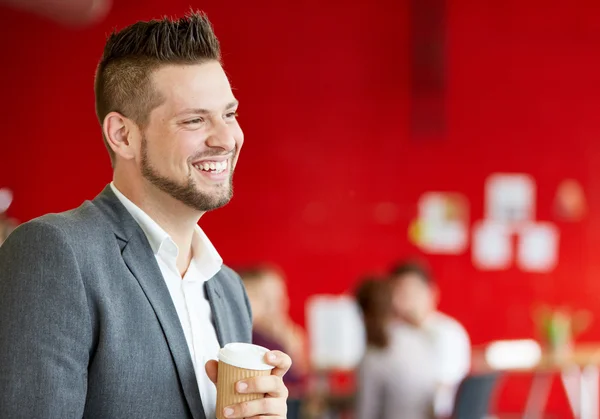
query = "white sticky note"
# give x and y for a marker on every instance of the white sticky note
(510, 198)
(492, 247)
(432, 207)
(538, 247)
(443, 223)
(447, 238)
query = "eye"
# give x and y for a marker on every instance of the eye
(231, 115)
(194, 121)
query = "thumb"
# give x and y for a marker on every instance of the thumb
(212, 368)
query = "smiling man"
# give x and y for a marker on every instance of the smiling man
(118, 308)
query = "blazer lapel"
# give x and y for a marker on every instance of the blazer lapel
(214, 293)
(140, 260)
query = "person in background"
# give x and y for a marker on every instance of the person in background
(273, 328)
(271, 321)
(7, 225)
(394, 379)
(415, 298)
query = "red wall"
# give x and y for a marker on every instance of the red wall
(324, 93)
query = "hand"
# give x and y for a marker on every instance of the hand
(273, 404)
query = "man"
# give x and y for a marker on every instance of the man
(115, 309)
(434, 339)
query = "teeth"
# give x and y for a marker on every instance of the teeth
(216, 167)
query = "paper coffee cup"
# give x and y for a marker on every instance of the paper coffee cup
(238, 361)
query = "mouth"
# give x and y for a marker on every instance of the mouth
(214, 170)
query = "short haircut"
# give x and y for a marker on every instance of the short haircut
(404, 268)
(123, 77)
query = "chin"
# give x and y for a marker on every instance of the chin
(206, 202)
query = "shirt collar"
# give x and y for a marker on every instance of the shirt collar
(205, 256)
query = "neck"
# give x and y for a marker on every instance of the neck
(176, 218)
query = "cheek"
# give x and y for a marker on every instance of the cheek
(157, 144)
(180, 148)
(425, 301)
(238, 135)
(400, 301)
(167, 158)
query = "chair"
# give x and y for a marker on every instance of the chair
(473, 396)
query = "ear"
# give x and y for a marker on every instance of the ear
(120, 133)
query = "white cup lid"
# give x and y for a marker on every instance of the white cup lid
(245, 355)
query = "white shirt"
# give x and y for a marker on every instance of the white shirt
(187, 293)
(445, 344)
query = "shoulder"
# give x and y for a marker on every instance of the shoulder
(375, 361)
(79, 233)
(34, 238)
(448, 326)
(374, 355)
(39, 252)
(78, 222)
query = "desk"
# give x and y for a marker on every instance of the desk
(579, 371)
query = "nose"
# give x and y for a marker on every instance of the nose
(221, 137)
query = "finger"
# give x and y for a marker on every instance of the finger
(212, 368)
(268, 406)
(282, 362)
(270, 384)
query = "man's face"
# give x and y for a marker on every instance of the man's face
(413, 298)
(192, 141)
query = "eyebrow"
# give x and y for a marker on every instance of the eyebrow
(201, 111)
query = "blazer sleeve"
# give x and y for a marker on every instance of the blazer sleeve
(45, 326)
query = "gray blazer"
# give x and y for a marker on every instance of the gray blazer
(87, 325)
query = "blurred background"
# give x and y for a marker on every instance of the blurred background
(463, 134)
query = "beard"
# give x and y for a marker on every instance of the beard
(188, 192)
